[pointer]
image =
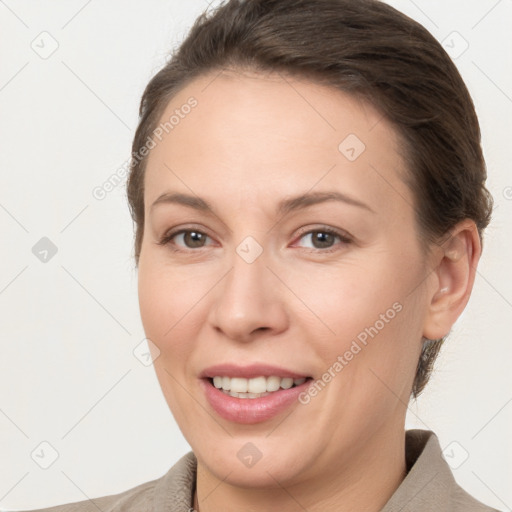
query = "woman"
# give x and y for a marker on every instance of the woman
(308, 191)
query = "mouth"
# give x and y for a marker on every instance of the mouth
(256, 387)
(252, 393)
(253, 400)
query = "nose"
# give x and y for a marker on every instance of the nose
(249, 301)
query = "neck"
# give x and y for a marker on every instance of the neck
(361, 485)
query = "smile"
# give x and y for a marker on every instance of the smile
(256, 387)
(247, 406)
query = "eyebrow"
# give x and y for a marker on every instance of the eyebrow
(284, 207)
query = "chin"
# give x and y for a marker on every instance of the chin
(253, 461)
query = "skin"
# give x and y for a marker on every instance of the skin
(252, 141)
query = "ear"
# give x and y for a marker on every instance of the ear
(454, 275)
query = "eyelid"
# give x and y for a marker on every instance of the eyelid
(166, 238)
(322, 227)
(345, 238)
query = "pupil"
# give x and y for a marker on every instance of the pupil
(322, 237)
(194, 237)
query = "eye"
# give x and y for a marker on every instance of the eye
(187, 238)
(323, 238)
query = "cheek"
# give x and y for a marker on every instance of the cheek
(342, 301)
(365, 312)
(166, 298)
(381, 353)
(173, 307)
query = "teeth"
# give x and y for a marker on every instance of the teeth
(273, 383)
(287, 383)
(239, 385)
(255, 387)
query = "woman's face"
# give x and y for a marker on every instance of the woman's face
(332, 288)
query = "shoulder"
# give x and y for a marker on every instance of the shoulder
(430, 484)
(172, 489)
(137, 498)
(464, 502)
(431, 473)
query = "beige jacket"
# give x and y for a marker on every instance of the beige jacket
(428, 487)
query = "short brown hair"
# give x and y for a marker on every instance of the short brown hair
(366, 48)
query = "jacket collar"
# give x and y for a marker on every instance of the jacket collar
(429, 482)
(427, 486)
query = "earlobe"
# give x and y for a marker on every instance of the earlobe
(455, 273)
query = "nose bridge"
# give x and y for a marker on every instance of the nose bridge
(248, 263)
(248, 298)
(247, 283)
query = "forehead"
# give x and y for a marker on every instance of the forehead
(247, 130)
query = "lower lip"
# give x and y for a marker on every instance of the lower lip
(251, 410)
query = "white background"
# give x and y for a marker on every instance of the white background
(68, 375)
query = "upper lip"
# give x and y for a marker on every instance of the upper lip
(248, 371)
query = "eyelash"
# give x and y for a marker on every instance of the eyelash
(344, 238)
